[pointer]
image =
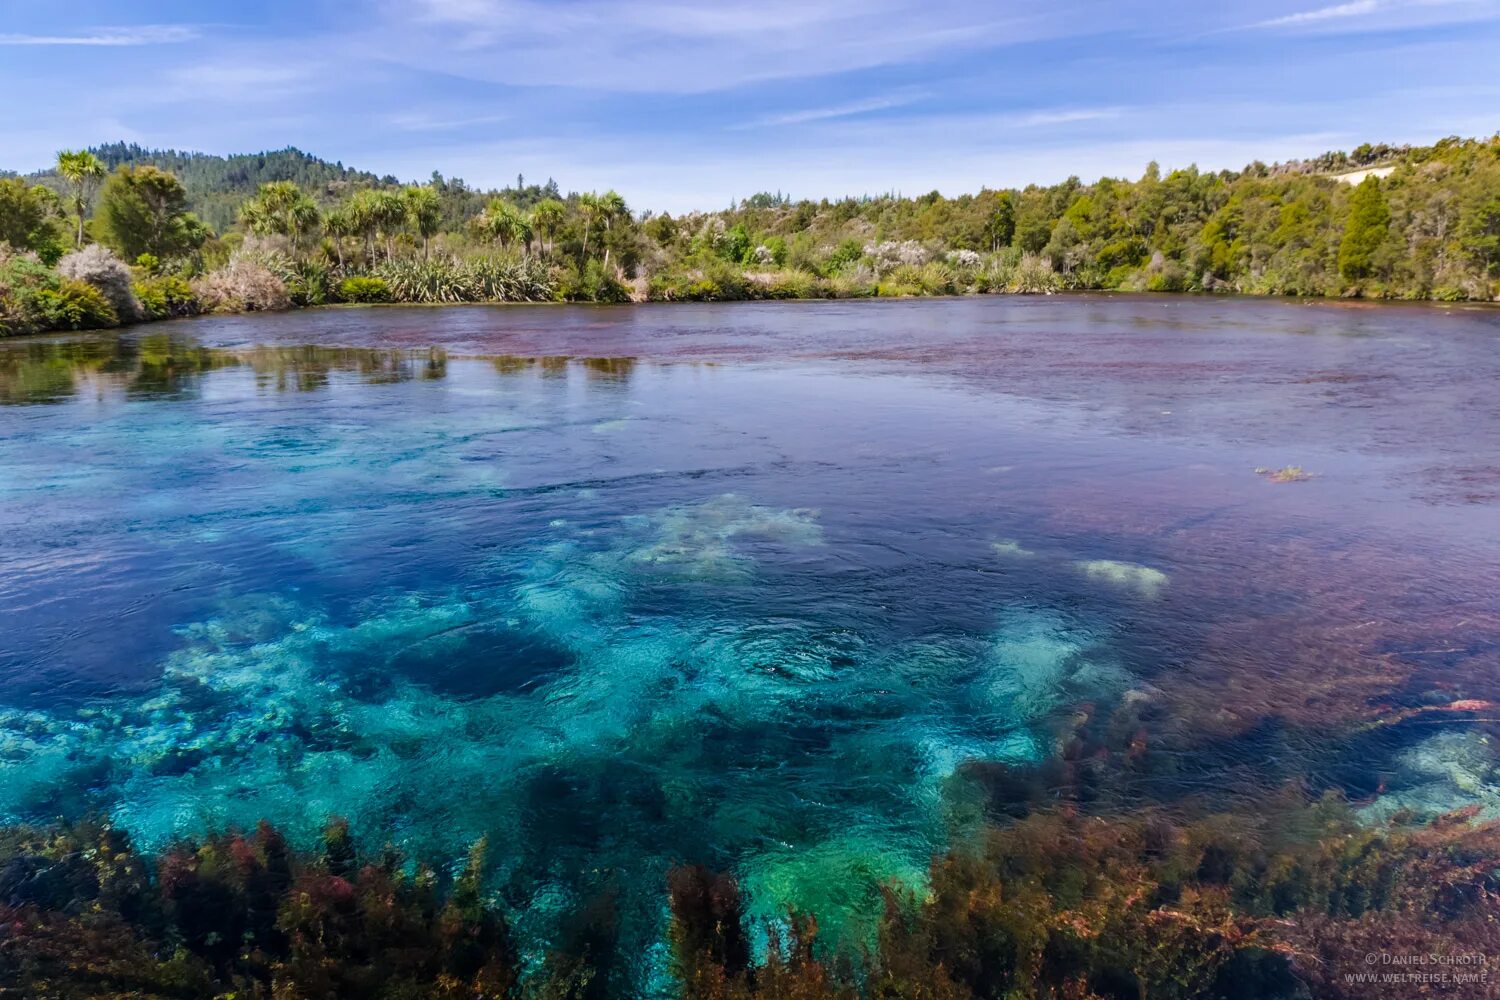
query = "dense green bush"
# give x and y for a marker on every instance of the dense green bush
(165, 296)
(23, 280)
(309, 282)
(77, 305)
(364, 289)
(434, 281)
(591, 284)
(30, 219)
(35, 298)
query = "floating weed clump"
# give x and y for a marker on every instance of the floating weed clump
(1285, 474)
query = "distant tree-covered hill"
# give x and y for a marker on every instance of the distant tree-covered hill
(217, 185)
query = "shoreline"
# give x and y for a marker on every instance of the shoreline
(1357, 302)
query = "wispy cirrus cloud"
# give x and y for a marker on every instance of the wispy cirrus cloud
(675, 47)
(1065, 116)
(848, 110)
(1355, 8)
(1358, 15)
(144, 34)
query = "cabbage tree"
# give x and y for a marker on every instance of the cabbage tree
(84, 172)
(281, 208)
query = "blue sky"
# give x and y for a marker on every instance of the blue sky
(687, 105)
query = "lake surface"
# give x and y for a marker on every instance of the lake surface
(744, 584)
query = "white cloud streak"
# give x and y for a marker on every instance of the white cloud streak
(1356, 8)
(671, 46)
(849, 110)
(146, 34)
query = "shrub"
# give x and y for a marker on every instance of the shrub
(938, 279)
(598, 285)
(308, 283)
(98, 266)
(966, 260)
(364, 289)
(77, 305)
(243, 285)
(511, 279)
(1032, 275)
(714, 281)
(436, 280)
(893, 254)
(23, 281)
(791, 285)
(839, 257)
(165, 297)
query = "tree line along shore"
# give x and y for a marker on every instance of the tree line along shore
(119, 234)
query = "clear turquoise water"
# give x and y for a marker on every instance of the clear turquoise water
(747, 589)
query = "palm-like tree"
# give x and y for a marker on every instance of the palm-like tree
(502, 222)
(83, 171)
(379, 213)
(547, 216)
(339, 224)
(611, 207)
(280, 207)
(589, 207)
(425, 210)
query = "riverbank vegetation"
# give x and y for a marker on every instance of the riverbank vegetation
(1053, 904)
(304, 232)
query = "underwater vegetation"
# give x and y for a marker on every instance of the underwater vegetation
(85, 915)
(1287, 902)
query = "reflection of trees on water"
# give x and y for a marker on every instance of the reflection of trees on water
(308, 368)
(166, 366)
(163, 366)
(149, 367)
(558, 366)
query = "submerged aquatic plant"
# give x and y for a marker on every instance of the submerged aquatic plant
(1065, 905)
(242, 915)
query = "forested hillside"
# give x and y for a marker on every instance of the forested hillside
(217, 185)
(1430, 229)
(195, 232)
